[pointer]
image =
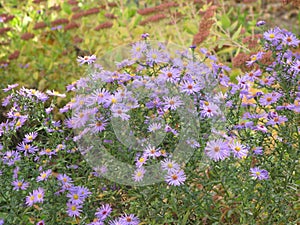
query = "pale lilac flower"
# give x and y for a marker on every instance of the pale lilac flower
(73, 209)
(86, 59)
(55, 93)
(257, 150)
(139, 174)
(39, 195)
(190, 87)
(10, 157)
(259, 174)
(41, 222)
(209, 110)
(26, 148)
(44, 175)
(30, 137)
(30, 199)
(129, 219)
(116, 222)
(140, 161)
(290, 40)
(170, 74)
(217, 150)
(103, 212)
(119, 110)
(151, 151)
(138, 49)
(269, 98)
(175, 177)
(9, 87)
(254, 58)
(170, 165)
(98, 125)
(20, 185)
(238, 150)
(153, 127)
(172, 102)
(260, 23)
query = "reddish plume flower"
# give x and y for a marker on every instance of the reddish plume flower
(39, 25)
(4, 30)
(104, 25)
(71, 25)
(59, 22)
(26, 36)
(154, 18)
(91, 11)
(14, 55)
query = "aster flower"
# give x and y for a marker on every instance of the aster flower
(138, 49)
(41, 222)
(130, 219)
(26, 148)
(44, 175)
(10, 157)
(116, 222)
(20, 185)
(217, 150)
(290, 40)
(39, 195)
(190, 87)
(99, 125)
(154, 56)
(75, 197)
(170, 165)
(30, 137)
(103, 212)
(98, 96)
(259, 174)
(273, 35)
(277, 120)
(260, 23)
(10, 87)
(209, 110)
(73, 209)
(139, 174)
(64, 179)
(257, 150)
(269, 98)
(238, 150)
(151, 151)
(30, 199)
(86, 59)
(193, 143)
(172, 102)
(120, 110)
(140, 161)
(175, 177)
(153, 127)
(254, 58)
(253, 75)
(55, 93)
(171, 75)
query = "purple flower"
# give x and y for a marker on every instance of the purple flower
(10, 157)
(41, 222)
(139, 174)
(273, 35)
(119, 110)
(269, 98)
(30, 137)
(99, 125)
(190, 87)
(73, 209)
(175, 177)
(238, 150)
(75, 197)
(30, 199)
(209, 110)
(39, 195)
(129, 219)
(259, 174)
(254, 58)
(151, 151)
(140, 161)
(253, 75)
(9, 87)
(44, 175)
(116, 222)
(153, 127)
(257, 150)
(217, 150)
(154, 56)
(20, 185)
(64, 179)
(169, 74)
(290, 40)
(172, 102)
(26, 148)
(103, 212)
(145, 35)
(170, 165)
(138, 49)
(86, 59)
(277, 120)
(260, 23)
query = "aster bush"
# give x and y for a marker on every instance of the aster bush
(226, 148)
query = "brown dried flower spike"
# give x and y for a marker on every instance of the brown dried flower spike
(26, 36)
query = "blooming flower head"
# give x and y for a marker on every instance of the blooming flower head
(86, 59)
(44, 175)
(130, 219)
(139, 174)
(290, 40)
(259, 174)
(55, 93)
(175, 177)
(39, 195)
(254, 58)
(172, 102)
(103, 212)
(238, 150)
(73, 209)
(217, 150)
(170, 165)
(260, 23)
(269, 98)
(20, 185)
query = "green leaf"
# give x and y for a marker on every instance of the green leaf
(225, 21)
(66, 8)
(237, 33)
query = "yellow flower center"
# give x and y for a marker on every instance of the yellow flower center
(237, 149)
(272, 36)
